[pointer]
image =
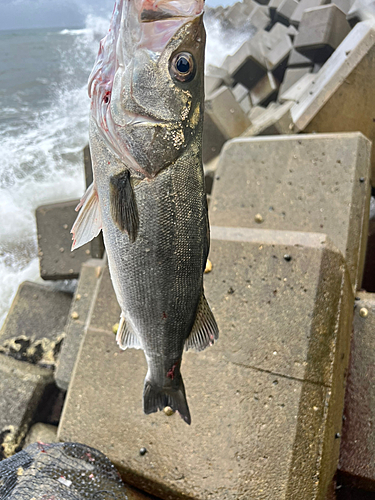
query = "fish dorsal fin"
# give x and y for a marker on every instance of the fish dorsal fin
(123, 205)
(205, 330)
(88, 223)
(126, 337)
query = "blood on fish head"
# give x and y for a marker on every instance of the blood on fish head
(147, 84)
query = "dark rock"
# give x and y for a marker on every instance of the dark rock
(34, 328)
(56, 260)
(22, 387)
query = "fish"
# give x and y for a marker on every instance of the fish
(147, 195)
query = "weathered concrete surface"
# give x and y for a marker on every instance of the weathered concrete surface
(273, 121)
(34, 328)
(224, 119)
(247, 65)
(264, 91)
(341, 97)
(54, 223)
(266, 401)
(21, 389)
(321, 31)
(296, 91)
(292, 76)
(43, 433)
(357, 455)
(285, 10)
(296, 16)
(77, 318)
(311, 183)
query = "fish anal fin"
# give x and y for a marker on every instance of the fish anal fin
(123, 204)
(88, 223)
(205, 330)
(126, 337)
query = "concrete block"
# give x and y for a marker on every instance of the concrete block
(75, 325)
(238, 13)
(358, 13)
(224, 119)
(274, 121)
(285, 10)
(240, 92)
(213, 139)
(341, 99)
(292, 76)
(344, 5)
(318, 183)
(321, 31)
(256, 111)
(43, 433)
(247, 65)
(277, 57)
(296, 59)
(242, 96)
(211, 83)
(292, 32)
(34, 328)
(56, 261)
(272, 386)
(357, 455)
(297, 91)
(277, 32)
(258, 18)
(272, 7)
(22, 386)
(303, 5)
(220, 73)
(265, 90)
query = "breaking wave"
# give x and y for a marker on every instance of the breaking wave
(44, 129)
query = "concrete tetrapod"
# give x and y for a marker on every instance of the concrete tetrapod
(316, 182)
(266, 401)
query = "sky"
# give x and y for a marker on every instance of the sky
(20, 14)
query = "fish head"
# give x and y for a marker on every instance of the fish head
(149, 106)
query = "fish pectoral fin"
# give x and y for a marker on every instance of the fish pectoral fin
(126, 337)
(205, 330)
(123, 204)
(88, 223)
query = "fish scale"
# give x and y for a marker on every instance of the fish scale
(148, 193)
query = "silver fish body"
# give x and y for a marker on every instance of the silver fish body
(148, 193)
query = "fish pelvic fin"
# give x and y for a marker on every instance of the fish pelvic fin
(123, 204)
(126, 337)
(157, 398)
(88, 223)
(205, 330)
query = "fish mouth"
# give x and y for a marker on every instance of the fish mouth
(131, 119)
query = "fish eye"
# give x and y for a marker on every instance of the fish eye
(182, 67)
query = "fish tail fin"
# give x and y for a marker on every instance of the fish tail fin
(157, 398)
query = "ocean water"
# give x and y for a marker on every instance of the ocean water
(43, 129)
